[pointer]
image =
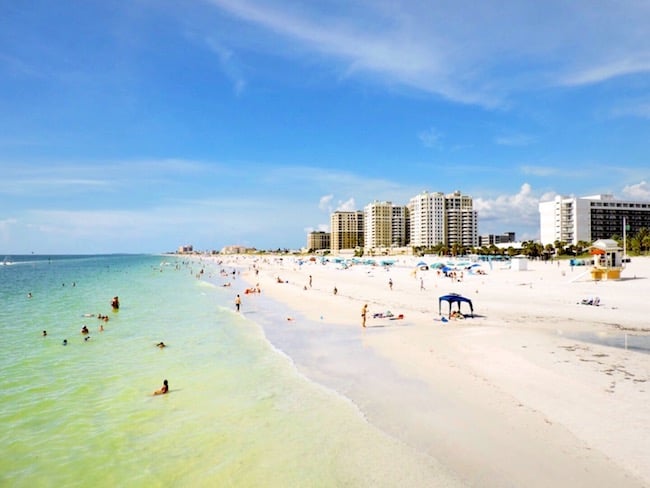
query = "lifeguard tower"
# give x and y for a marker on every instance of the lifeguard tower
(608, 260)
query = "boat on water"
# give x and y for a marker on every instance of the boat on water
(6, 261)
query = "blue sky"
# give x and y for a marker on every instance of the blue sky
(143, 125)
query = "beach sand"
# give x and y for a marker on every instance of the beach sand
(518, 395)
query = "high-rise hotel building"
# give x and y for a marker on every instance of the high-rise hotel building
(385, 225)
(436, 218)
(461, 220)
(346, 230)
(570, 219)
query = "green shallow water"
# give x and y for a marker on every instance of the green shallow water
(238, 413)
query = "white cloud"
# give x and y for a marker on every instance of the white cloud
(430, 137)
(347, 206)
(520, 209)
(325, 203)
(639, 191)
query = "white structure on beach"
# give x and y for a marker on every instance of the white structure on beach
(571, 219)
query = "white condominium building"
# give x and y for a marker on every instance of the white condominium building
(427, 219)
(571, 219)
(436, 218)
(461, 220)
(400, 223)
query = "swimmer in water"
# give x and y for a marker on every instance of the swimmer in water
(84, 330)
(65, 342)
(44, 333)
(161, 345)
(163, 389)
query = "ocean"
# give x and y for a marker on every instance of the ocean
(238, 412)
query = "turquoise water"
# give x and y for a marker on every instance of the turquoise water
(238, 413)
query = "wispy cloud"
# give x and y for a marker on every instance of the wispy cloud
(430, 137)
(229, 65)
(606, 71)
(539, 170)
(515, 140)
(633, 108)
(478, 58)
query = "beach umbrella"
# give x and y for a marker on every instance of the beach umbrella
(452, 298)
(421, 263)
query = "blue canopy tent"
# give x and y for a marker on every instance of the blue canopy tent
(454, 298)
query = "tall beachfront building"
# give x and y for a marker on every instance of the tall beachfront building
(385, 225)
(571, 219)
(436, 218)
(427, 219)
(461, 220)
(377, 232)
(346, 230)
(400, 226)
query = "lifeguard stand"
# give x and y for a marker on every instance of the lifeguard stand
(608, 260)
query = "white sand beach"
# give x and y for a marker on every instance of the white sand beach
(522, 394)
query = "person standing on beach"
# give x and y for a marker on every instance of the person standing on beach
(421, 284)
(238, 302)
(364, 312)
(390, 283)
(309, 281)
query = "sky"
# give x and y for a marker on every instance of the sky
(144, 125)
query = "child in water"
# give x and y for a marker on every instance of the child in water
(163, 389)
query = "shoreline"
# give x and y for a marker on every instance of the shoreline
(503, 399)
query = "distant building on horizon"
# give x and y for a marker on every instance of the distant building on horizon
(185, 249)
(318, 240)
(571, 219)
(237, 249)
(494, 239)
